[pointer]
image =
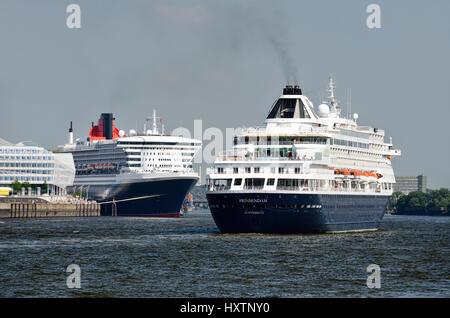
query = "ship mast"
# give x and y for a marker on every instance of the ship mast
(335, 108)
(155, 126)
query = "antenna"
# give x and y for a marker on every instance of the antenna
(332, 98)
(350, 100)
(348, 104)
(331, 89)
(147, 120)
(155, 127)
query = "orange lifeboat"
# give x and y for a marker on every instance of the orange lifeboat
(356, 172)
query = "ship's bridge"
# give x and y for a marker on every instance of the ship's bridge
(292, 105)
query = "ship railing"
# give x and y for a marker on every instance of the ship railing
(265, 158)
(263, 130)
(294, 188)
(342, 189)
(253, 187)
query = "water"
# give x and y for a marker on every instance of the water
(188, 257)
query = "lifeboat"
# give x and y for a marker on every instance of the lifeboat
(356, 172)
(348, 172)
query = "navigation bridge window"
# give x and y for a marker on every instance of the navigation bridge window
(289, 108)
(219, 184)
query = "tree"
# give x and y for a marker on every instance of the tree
(417, 200)
(44, 187)
(402, 203)
(433, 202)
(393, 202)
(16, 186)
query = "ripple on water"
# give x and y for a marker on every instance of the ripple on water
(188, 257)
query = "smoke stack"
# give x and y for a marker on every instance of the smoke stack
(71, 134)
(107, 119)
(292, 90)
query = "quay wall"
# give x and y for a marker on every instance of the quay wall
(46, 210)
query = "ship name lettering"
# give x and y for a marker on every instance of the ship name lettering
(253, 200)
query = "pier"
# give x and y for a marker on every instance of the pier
(47, 210)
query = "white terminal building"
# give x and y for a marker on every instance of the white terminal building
(37, 166)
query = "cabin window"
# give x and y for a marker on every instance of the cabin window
(288, 183)
(222, 182)
(270, 181)
(237, 182)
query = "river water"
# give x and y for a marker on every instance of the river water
(188, 257)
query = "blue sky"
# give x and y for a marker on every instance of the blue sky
(225, 62)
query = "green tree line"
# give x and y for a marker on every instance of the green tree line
(433, 202)
(17, 186)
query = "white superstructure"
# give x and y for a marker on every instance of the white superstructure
(136, 157)
(306, 150)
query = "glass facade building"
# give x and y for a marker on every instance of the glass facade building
(36, 166)
(411, 184)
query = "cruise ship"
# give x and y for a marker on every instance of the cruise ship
(306, 170)
(139, 174)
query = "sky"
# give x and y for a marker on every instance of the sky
(225, 62)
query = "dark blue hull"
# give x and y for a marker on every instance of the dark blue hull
(157, 198)
(295, 213)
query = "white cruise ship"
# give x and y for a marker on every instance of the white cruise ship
(146, 174)
(306, 170)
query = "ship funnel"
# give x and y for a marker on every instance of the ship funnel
(292, 90)
(107, 119)
(71, 134)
